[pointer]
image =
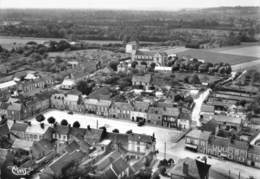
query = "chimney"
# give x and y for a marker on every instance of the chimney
(185, 168)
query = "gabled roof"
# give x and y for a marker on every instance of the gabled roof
(109, 174)
(15, 107)
(119, 166)
(92, 101)
(207, 108)
(239, 144)
(254, 150)
(63, 130)
(171, 111)
(21, 127)
(227, 119)
(141, 106)
(93, 135)
(107, 160)
(141, 138)
(123, 105)
(43, 145)
(4, 130)
(194, 169)
(220, 141)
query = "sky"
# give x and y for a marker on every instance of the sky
(125, 4)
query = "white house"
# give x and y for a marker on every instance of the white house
(68, 84)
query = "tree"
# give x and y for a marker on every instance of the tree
(85, 87)
(113, 65)
(40, 118)
(133, 64)
(76, 124)
(64, 122)
(51, 120)
(194, 79)
(115, 131)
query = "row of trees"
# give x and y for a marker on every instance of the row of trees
(196, 66)
(51, 120)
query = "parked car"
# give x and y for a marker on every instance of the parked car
(70, 112)
(140, 123)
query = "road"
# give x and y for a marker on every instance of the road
(247, 65)
(198, 102)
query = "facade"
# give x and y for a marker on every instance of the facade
(170, 116)
(197, 140)
(120, 110)
(253, 158)
(238, 151)
(57, 101)
(98, 106)
(149, 57)
(139, 144)
(139, 111)
(68, 84)
(155, 115)
(219, 146)
(15, 111)
(141, 80)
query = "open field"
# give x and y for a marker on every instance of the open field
(252, 51)
(216, 57)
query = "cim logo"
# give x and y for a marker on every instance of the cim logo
(20, 171)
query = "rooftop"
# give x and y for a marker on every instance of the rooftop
(203, 135)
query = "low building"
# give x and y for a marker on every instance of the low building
(184, 121)
(170, 116)
(42, 148)
(163, 69)
(18, 129)
(197, 140)
(207, 111)
(229, 122)
(155, 115)
(15, 111)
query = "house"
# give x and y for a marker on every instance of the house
(19, 129)
(61, 133)
(184, 121)
(73, 64)
(253, 158)
(140, 144)
(197, 140)
(238, 151)
(74, 102)
(67, 84)
(15, 111)
(120, 110)
(229, 122)
(219, 146)
(42, 148)
(7, 85)
(131, 46)
(123, 67)
(97, 106)
(142, 80)
(163, 69)
(207, 111)
(55, 168)
(3, 108)
(170, 116)
(57, 101)
(35, 132)
(93, 136)
(154, 115)
(188, 168)
(139, 111)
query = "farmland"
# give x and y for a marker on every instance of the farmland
(253, 51)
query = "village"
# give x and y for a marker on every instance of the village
(142, 113)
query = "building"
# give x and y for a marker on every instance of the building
(120, 110)
(68, 84)
(15, 111)
(139, 145)
(18, 129)
(139, 111)
(197, 140)
(229, 122)
(74, 102)
(219, 146)
(142, 80)
(238, 151)
(184, 121)
(170, 116)
(253, 158)
(131, 47)
(188, 168)
(207, 111)
(42, 148)
(149, 57)
(154, 115)
(163, 69)
(98, 106)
